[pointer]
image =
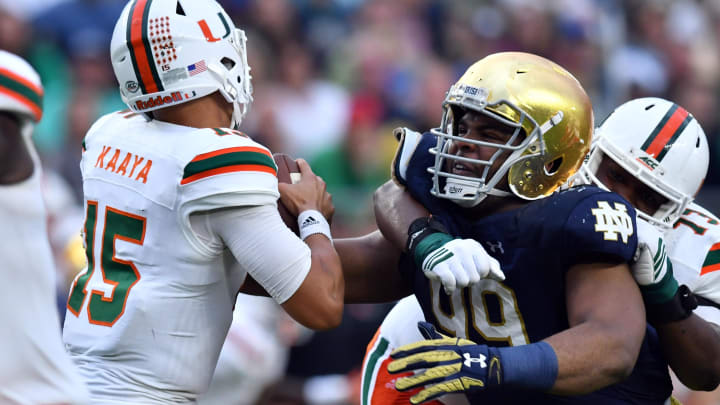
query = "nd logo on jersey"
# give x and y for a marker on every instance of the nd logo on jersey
(612, 221)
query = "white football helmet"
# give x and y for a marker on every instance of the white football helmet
(21, 91)
(167, 52)
(660, 144)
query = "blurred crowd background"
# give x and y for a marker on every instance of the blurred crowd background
(332, 78)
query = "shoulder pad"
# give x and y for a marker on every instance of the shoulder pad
(226, 169)
(409, 141)
(102, 121)
(599, 224)
(229, 157)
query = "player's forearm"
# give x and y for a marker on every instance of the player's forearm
(592, 356)
(395, 210)
(370, 269)
(318, 302)
(332, 286)
(607, 326)
(692, 347)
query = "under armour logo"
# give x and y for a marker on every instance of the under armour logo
(309, 221)
(469, 360)
(495, 247)
(612, 221)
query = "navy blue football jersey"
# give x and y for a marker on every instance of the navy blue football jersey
(535, 245)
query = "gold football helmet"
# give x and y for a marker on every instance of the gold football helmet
(552, 119)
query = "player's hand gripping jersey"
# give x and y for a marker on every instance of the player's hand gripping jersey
(535, 246)
(694, 250)
(155, 303)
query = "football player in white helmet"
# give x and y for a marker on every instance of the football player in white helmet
(181, 211)
(35, 368)
(654, 153)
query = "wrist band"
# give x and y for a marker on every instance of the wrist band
(311, 222)
(421, 228)
(676, 309)
(530, 367)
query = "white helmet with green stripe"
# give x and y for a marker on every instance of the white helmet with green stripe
(167, 52)
(659, 143)
(21, 91)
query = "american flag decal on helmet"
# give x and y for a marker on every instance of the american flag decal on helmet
(197, 68)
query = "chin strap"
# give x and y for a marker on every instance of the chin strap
(500, 193)
(466, 192)
(237, 116)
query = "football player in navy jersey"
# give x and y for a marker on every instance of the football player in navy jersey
(567, 323)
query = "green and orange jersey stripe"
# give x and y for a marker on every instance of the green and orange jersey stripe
(22, 90)
(139, 45)
(712, 260)
(666, 132)
(228, 160)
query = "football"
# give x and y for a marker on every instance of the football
(287, 172)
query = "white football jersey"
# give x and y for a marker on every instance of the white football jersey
(145, 322)
(694, 249)
(34, 367)
(398, 329)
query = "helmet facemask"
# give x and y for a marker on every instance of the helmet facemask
(235, 78)
(469, 191)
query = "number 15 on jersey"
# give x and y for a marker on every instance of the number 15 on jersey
(106, 302)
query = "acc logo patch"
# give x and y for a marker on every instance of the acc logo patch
(131, 86)
(651, 163)
(612, 221)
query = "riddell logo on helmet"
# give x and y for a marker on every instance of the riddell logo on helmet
(158, 101)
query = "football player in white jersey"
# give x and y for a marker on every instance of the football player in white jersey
(181, 209)
(34, 367)
(654, 153)
(657, 158)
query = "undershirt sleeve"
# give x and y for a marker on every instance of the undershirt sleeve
(262, 245)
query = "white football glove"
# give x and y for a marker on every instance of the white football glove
(651, 268)
(460, 263)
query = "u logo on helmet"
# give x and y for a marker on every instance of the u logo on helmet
(206, 30)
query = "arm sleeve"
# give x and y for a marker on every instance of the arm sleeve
(264, 247)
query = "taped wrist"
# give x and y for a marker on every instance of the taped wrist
(660, 292)
(529, 367)
(679, 307)
(424, 236)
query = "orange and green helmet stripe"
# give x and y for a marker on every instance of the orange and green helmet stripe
(139, 45)
(667, 131)
(712, 260)
(239, 159)
(22, 90)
